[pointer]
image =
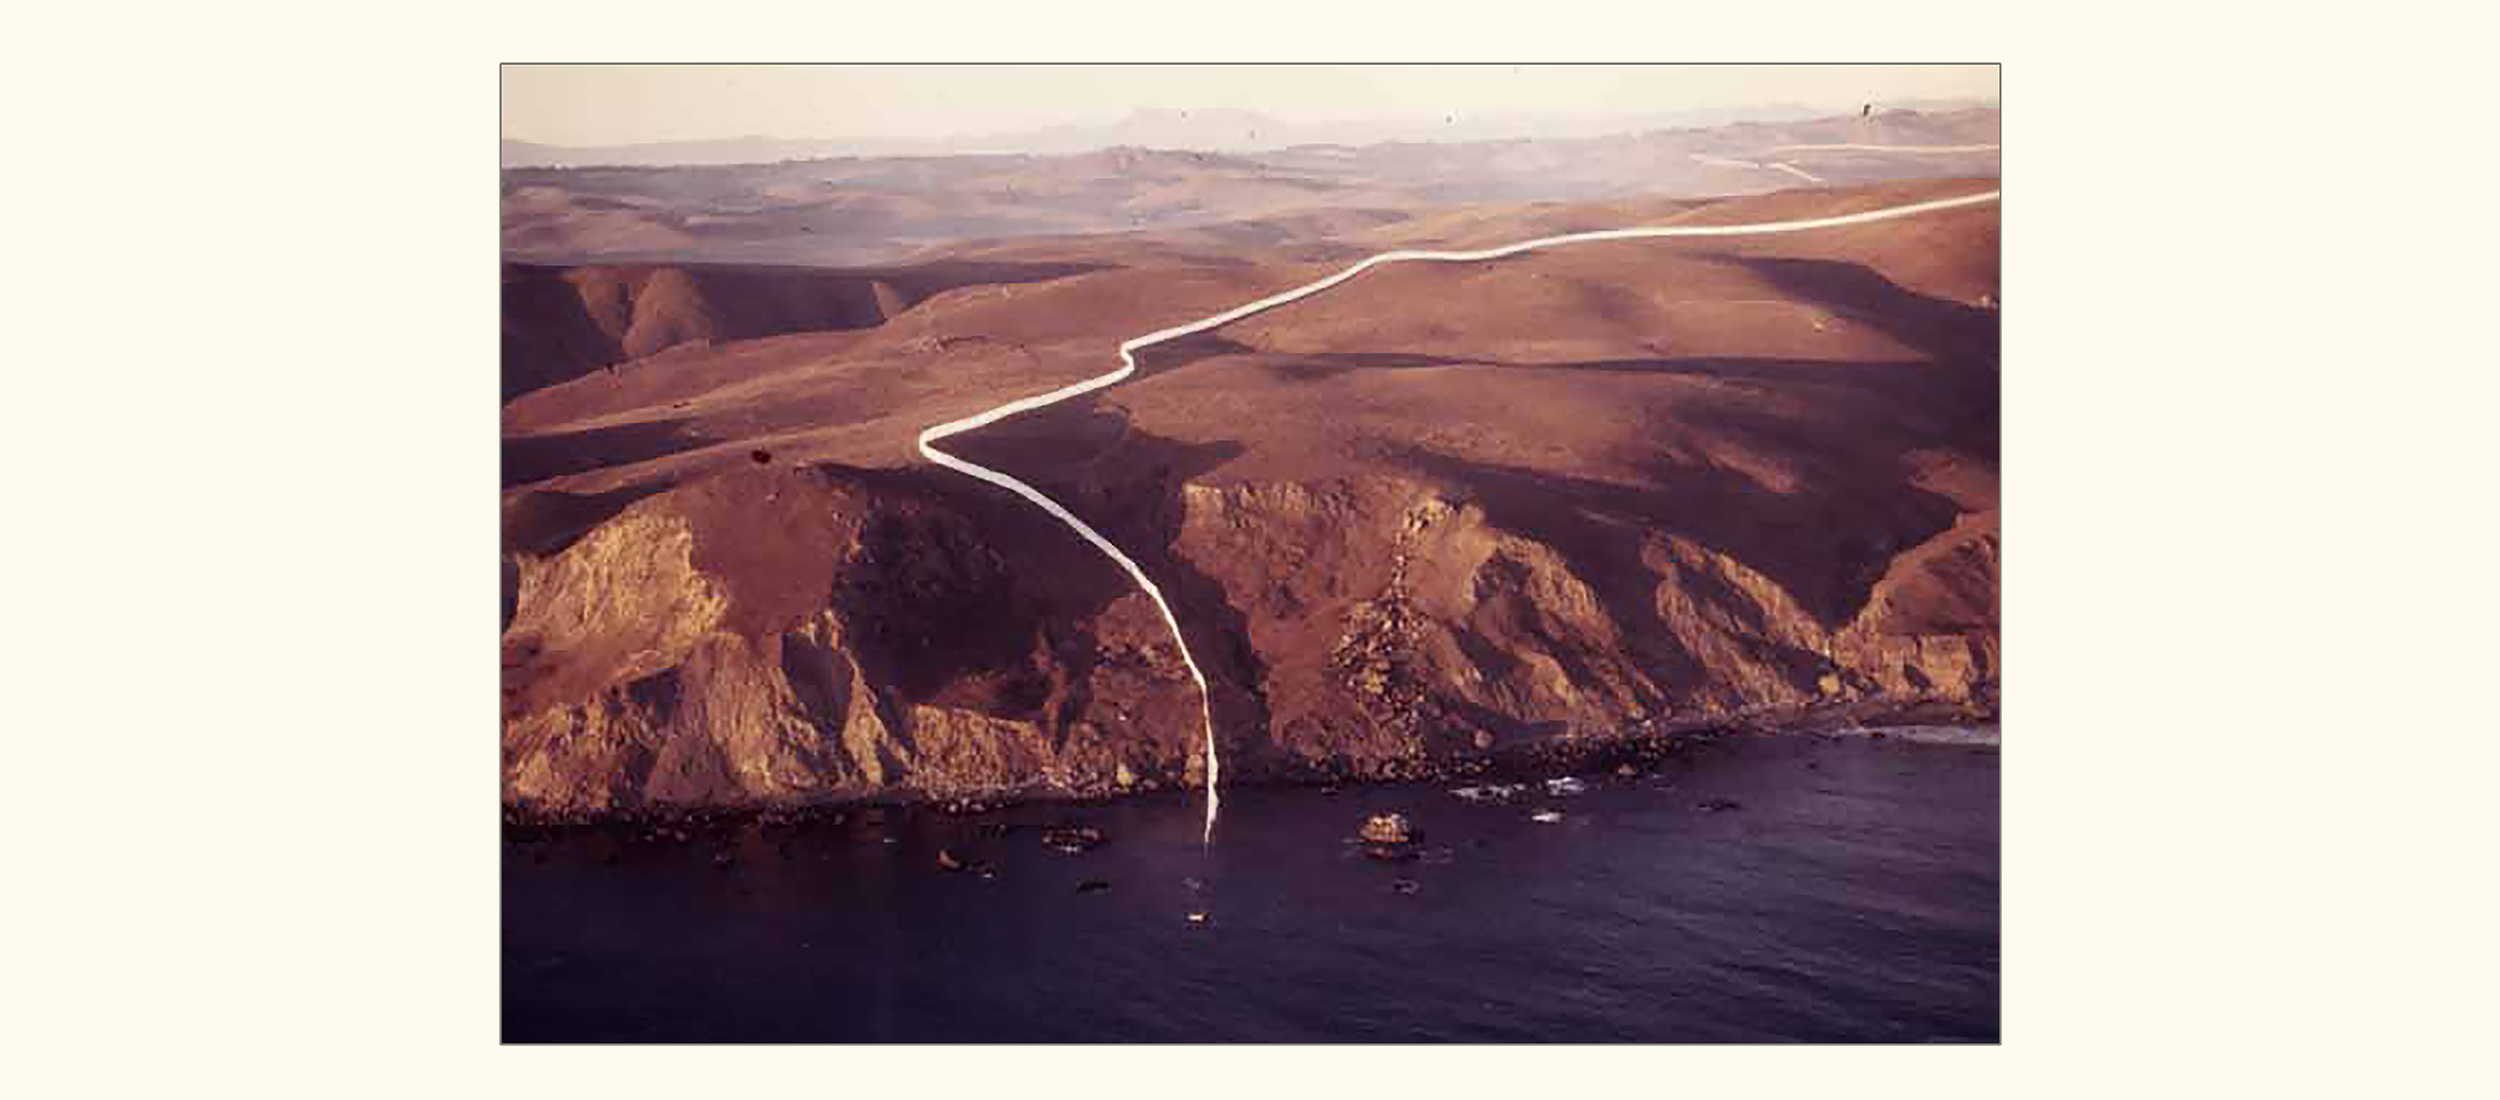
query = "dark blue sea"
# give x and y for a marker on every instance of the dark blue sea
(1755, 889)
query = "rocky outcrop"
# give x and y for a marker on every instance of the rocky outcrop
(784, 636)
(1394, 626)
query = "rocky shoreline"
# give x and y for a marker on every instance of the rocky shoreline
(1529, 764)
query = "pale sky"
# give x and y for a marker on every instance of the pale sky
(625, 104)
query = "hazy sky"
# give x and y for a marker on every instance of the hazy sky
(622, 104)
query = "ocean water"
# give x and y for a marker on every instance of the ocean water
(1758, 889)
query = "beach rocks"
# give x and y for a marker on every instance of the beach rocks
(1388, 829)
(1388, 837)
(1073, 839)
(1491, 792)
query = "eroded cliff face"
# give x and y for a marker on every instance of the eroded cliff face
(1395, 628)
(792, 636)
(788, 636)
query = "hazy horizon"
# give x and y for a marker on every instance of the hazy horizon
(615, 105)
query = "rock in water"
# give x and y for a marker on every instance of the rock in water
(1072, 839)
(1388, 829)
(946, 861)
(1496, 792)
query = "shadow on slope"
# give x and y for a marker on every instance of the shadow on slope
(528, 459)
(1127, 484)
(560, 323)
(1946, 331)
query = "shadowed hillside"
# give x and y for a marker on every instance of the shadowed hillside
(560, 323)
